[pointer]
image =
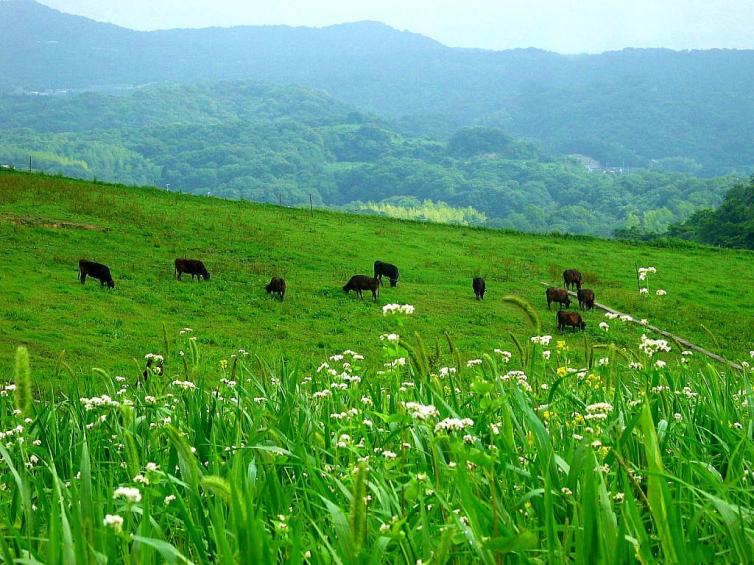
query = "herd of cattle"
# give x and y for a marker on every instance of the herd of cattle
(361, 283)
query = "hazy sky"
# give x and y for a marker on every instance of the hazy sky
(566, 26)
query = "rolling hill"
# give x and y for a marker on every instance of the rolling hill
(271, 143)
(48, 223)
(689, 111)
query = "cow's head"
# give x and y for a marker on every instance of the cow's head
(205, 274)
(393, 282)
(111, 283)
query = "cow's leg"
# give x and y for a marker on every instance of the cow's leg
(82, 278)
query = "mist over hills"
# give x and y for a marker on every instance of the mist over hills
(684, 111)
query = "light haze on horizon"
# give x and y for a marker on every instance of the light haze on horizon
(564, 26)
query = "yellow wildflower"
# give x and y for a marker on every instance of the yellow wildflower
(562, 371)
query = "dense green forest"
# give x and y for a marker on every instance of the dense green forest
(730, 225)
(683, 111)
(282, 144)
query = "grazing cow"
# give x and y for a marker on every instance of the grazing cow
(276, 286)
(390, 271)
(360, 283)
(479, 287)
(192, 267)
(96, 271)
(572, 277)
(559, 295)
(572, 319)
(586, 298)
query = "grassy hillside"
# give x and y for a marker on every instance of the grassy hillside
(393, 456)
(48, 223)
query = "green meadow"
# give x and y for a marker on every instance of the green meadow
(299, 432)
(48, 223)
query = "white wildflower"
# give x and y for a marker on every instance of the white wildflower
(421, 411)
(130, 494)
(541, 339)
(454, 424)
(113, 521)
(506, 355)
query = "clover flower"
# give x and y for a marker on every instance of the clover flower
(98, 401)
(446, 372)
(644, 291)
(604, 326)
(473, 362)
(454, 424)
(421, 411)
(506, 355)
(397, 309)
(129, 494)
(541, 339)
(392, 338)
(652, 346)
(660, 292)
(113, 521)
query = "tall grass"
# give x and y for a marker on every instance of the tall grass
(512, 458)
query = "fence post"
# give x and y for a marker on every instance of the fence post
(29, 163)
(311, 205)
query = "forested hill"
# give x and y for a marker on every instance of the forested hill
(685, 111)
(281, 144)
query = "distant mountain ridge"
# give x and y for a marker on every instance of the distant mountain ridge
(687, 111)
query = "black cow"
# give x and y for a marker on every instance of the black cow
(390, 271)
(559, 295)
(586, 298)
(479, 287)
(360, 283)
(276, 286)
(572, 277)
(572, 319)
(96, 271)
(192, 267)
